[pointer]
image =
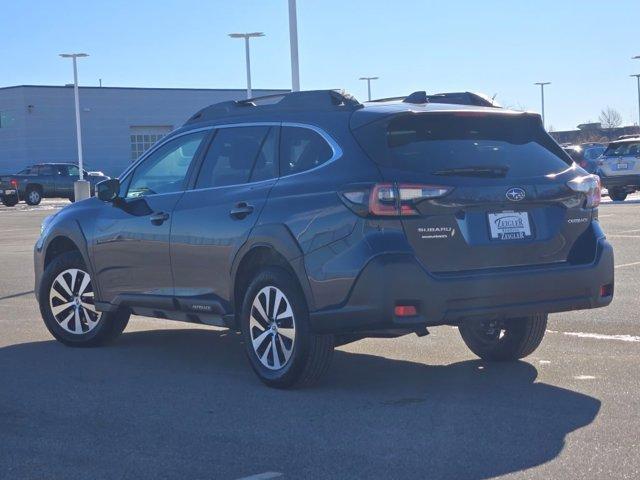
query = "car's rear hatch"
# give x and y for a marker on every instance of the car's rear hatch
(620, 159)
(507, 202)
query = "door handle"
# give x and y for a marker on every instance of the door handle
(159, 218)
(241, 210)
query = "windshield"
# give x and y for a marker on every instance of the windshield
(464, 144)
(623, 149)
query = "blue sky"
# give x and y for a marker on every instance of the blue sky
(497, 47)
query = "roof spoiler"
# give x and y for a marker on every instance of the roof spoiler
(311, 99)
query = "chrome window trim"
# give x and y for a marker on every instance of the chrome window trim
(335, 148)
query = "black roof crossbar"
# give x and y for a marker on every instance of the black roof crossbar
(307, 100)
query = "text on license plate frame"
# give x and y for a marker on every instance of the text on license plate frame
(509, 225)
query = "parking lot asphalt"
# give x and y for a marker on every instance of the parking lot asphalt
(172, 400)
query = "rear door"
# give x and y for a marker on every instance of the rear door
(214, 219)
(508, 204)
(46, 178)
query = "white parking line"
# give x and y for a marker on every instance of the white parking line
(262, 476)
(627, 265)
(600, 336)
(631, 231)
(623, 236)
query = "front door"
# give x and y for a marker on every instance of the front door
(131, 237)
(212, 221)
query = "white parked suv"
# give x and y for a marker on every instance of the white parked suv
(619, 168)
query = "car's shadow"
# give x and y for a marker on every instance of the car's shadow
(184, 404)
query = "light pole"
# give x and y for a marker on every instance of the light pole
(81, 188)
(637, 57)
(368, 79)
(293, 42)
(246, 37)
(637, 75)
(542, 84)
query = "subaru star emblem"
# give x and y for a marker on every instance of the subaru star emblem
(515, 194)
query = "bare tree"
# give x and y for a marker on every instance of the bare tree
(610, 118)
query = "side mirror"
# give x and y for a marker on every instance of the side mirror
(108, 190)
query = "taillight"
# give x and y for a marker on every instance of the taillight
(590, 186)
(390, 199)
(14, 183)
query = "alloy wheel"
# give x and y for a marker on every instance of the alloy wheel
(34, 196)
(71, 300)
(272, 328)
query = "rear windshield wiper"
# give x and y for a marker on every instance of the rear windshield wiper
(490, 172)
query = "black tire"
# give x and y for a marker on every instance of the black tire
(33, 196)
(617, 195)
(506, 340)
(104, 327)
(310, 354)
(10, 201)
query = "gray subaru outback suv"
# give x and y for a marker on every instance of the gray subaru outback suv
(310, 220)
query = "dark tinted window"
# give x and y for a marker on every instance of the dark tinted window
(26, 171)
(463, 144)
(45, 170)
(237, 154)
(165, 169)
(302, 149)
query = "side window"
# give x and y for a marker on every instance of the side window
(164, 171)
(73, 171)
(302, 149)
(236, 154)
(46, 170)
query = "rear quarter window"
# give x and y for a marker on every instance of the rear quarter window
(302, 149)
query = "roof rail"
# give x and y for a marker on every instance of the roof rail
(307, 100)
(459, 98)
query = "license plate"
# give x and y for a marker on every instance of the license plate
(623, 166)
(509, 225)
(9, 192)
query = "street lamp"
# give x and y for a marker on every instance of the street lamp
(246, 37)
(293, 43)
(368, 79)
(542, 84)
(81, 187)
(637, 75)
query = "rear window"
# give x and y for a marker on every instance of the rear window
(450, 144)
(623, 149)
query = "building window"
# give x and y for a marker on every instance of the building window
(6, 119)
(143, 138)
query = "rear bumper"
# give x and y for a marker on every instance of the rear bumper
(392, 279)
(620, 181)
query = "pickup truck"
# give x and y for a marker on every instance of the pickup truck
(44, 180)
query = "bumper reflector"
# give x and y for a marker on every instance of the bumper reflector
(606, 290)
(406, 311)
